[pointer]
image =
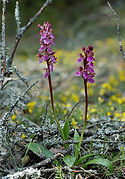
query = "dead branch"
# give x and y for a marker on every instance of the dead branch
(3, 38)
(117, 29)
(24, 29)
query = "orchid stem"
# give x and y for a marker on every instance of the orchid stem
(86, 111)
(52, 103)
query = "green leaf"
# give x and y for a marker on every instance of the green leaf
(76, 136)
(100, 161)
(77, 149)
(66, 129)
(39, 149)
(83, 158)
(69, 160)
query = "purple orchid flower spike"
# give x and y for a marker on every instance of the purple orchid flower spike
(45, 51)
(87, 70)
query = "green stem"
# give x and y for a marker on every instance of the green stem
(52, 103)
(86, 111)
(26, 152)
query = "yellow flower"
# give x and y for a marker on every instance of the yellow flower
(123, 99)
(74, 123)
(113, 81)
(106, 86)
(112, 108)
(23, 136)
(113, 98)
(108, 113)
(119, 100)
(123, 114)
(116, 114)
(100, 99)
(123, 119)
(109, 87)
(13, 117)
(93, 110)
(122, 75)
(75, 97)
(102, 92)
(30, 110)
(110, 103)
(67, 105)
(64, 98)
(90, 85)
(64, 111)
(31, 104)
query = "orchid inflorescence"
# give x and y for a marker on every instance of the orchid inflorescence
(45, 51)
(87, 70)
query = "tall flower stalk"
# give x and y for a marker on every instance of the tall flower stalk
(46, 54)
(86, 71)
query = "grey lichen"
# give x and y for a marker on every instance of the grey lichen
(3, 131)
(3, 36)
(15, 101)
(19, 75)
(17, 17)
(27, 173)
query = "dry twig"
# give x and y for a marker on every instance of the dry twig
(117, 29)
(23, 30)
(3, 38)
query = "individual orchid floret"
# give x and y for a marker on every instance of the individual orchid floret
(45, 50)
(86, 71)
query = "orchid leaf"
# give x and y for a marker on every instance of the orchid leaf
(66, 129)
(77, 149)
(83, 158)
(69, 160)
(100, 161)
(39, 149)
(76, 136)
